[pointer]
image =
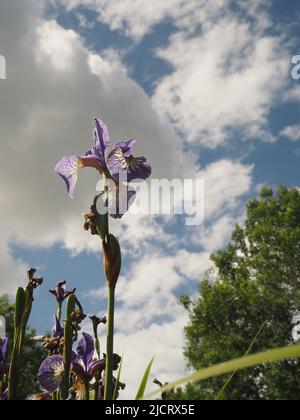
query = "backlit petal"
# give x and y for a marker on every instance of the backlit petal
(68, 168)
(51, 373)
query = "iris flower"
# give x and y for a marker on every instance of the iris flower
(84, 365)
(57, 330)
(42, 396)
(115, 165)
(60, 292)
(3, 365)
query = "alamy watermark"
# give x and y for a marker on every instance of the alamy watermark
(296, 68)
(158, 197)
(2, 67)
(296, 329)
(2, 327)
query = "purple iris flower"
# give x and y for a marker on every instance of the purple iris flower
(42, 396)
(116, 165)
(57, 330)
(60, 292)
(3, 396)
(83, 363)
(52, 370)
(3, 350)
(51, 373)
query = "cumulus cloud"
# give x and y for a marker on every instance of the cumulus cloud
(227, 69)
(136, 18)
(291, 132)
(225, 81)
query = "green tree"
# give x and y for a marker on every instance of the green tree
(257, 280)
(33, 353)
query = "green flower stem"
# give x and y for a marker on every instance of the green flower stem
(110, 344)
(98, 376)
(68, 343)
(97, 346)
(86, 391)
(17, 347)
(59, 308)
(14, 372)
(221, 393)
(96, 390)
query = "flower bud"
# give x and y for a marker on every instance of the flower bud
(112, 259)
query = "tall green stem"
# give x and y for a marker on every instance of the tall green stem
(13, 374)
(110, 344)
(68, 342)
(16, 354)
(59, 308)
(86, 391)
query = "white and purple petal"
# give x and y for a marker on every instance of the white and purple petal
(57, 330)
(136, 168)
(51, 373)
(68, 169)
(43, 396)
(101, 141)
(126, 146)
(3, 396)
(97, 366)
(86, 349)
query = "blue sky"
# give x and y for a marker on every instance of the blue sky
(207, 91)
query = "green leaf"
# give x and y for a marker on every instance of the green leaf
(68, 342)
(102, 225)
(227, 383)
(266, 357)
(115, 396)
(142, 388)
(19, 308)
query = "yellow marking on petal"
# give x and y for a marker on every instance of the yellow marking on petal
(80, 164)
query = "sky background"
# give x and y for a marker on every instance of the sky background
(206, 89)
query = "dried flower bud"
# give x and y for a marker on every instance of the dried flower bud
(112, 259)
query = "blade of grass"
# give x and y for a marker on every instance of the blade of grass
(221, 393)
(266, 357)
(115, 396)
(142, 388)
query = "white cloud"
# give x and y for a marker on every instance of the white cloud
(165, 342)
(225, 81)
(136, 18)
(291, 132)
(225, 183)
(58, 45)
(227, 69)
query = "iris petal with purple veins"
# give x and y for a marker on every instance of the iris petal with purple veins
(51, 373)
(101, 141)
(57, 330)
(83, 363)
(3, 396)
(68, 169)
(43, 396)
(135, 168)
(86, 350)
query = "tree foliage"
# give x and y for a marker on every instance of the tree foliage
(257, 280)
